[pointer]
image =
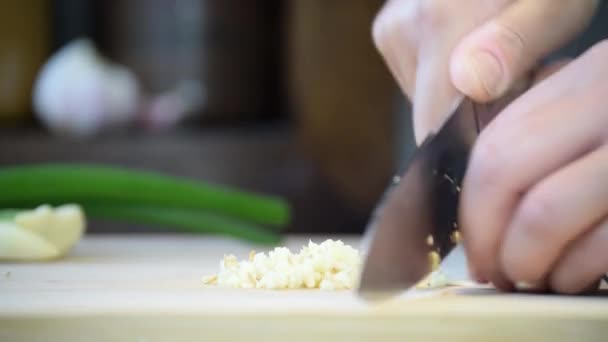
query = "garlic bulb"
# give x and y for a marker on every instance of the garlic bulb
(78, 93)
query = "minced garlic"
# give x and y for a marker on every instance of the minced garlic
(435, 279)
(456, 237)
(434, 260)
(331, 265)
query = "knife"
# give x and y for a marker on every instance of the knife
(416, 220)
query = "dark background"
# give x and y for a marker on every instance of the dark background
(298, 101)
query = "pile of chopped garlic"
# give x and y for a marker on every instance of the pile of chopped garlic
(331, 265)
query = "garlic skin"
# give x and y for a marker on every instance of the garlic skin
(78, 93)
(331, 265)
(41, 234)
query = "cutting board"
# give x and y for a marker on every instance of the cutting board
(149, 288)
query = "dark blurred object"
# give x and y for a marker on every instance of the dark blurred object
(228, 46)
(340, 90)
(74, 19)
(24, 44)
(343, 96)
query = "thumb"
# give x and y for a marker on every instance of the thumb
(490, 59)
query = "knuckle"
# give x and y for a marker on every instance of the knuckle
(380, 30)
(603, 44)
(601, 48)
(386, 25)
(597, 55)
(535, 215)
(487, 162)
(510, 42)
(429, 16)
(407, 18)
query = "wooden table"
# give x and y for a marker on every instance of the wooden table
(148, 288)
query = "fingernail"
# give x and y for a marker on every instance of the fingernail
(524, 286)
(480, 279)
(480, 74)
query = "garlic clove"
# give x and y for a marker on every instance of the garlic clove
(19, 244)
(62, 227)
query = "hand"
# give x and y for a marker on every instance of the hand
(438, 49)
(533, 200)
(535, 197)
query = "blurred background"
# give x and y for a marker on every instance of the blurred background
(282, 97)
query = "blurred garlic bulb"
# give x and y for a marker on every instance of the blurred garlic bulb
(78, 93)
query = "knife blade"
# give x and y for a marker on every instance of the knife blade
(420, 207)
(418, 212)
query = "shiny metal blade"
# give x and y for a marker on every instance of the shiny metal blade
(422, 202)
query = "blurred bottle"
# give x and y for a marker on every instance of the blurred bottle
(25, 39)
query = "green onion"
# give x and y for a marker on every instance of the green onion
(110, 188)
(185, 220)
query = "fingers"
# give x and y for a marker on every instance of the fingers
(435, 97)
(491, 58)
(555, 212)
(536, 135)
(584, 263)
(543, 73)
(416, 39)
(395, 43)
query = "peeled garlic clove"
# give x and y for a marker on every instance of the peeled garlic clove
(42, 233)
(62, 227)
(20, 244)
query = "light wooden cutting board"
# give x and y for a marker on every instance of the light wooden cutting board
(148, 288)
